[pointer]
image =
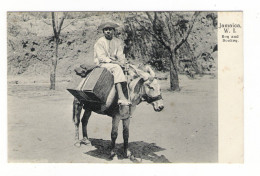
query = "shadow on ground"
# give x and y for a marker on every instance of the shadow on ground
(140, 150)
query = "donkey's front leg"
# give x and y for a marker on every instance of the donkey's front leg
(77, 107)
(84, 122)
(126, 123)
(114, 133)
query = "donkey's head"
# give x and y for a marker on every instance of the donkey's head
(152, 94)
(149, 88)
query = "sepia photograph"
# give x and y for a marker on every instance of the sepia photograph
(113, 86)
(129, 88)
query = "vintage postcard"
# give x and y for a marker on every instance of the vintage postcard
(125, 87)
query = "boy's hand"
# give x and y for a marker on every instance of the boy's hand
(116, 62)
(113, 58)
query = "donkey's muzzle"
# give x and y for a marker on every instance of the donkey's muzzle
(161, 108)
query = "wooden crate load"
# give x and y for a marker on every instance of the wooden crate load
(95, 87)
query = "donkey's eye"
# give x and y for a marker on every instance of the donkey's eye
(150, 87)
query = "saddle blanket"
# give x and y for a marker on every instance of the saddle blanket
(95, 87)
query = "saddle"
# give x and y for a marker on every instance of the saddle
(93, 86)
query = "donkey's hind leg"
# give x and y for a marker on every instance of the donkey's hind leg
(77, 107)
(84, 122)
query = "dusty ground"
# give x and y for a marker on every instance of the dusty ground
(40, 127)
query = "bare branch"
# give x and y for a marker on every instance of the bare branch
(158, 35)
(11, 43)
(153, 20)
(168, 31)
(171, 26)
(150, 17)
(46, 22)
(61, 23)
(53, 24)
(158, 38)
(69, 24)
(193, 19)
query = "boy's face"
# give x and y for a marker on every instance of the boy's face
(109, 32)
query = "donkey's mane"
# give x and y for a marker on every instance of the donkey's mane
(135, 78)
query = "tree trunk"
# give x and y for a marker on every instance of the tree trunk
(174, 79)
(53, 66)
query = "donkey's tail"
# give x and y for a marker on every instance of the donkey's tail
(74, 109)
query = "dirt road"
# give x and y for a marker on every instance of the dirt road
(40, 127)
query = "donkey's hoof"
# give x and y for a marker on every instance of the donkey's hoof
(132, 158)
(127, 154)
(135, 160)
(112, 155)
(85, 141)
(77, 144)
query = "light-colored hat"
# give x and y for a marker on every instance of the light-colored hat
(108, 24)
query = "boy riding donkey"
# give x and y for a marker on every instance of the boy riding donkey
(108, 53)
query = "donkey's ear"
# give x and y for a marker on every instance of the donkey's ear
(150, 70)
(138, 85)
(144, 75)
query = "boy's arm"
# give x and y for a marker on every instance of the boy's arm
(101, 54)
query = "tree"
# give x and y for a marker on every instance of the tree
(171, 30)
(56, 25)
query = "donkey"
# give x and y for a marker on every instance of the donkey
(143, 87)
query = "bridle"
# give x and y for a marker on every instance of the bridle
(150, 99)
